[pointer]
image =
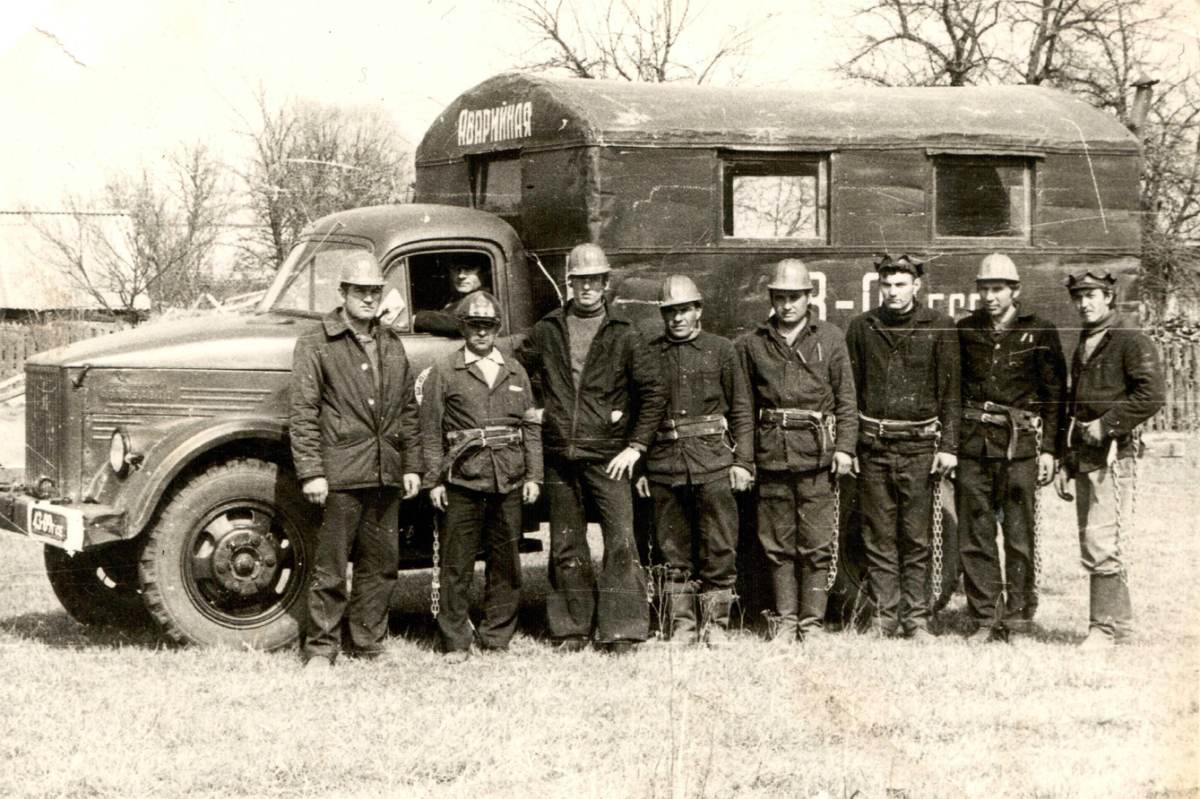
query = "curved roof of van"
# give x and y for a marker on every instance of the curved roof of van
(520, 111)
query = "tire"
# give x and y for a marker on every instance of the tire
(229, 559)
(98, 587)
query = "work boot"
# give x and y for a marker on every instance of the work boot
(1097, 641)
(714, 616)
(680, 600)
(813, 600)
(1111, 612)
(784, 624)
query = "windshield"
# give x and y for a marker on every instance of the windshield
(306, 284)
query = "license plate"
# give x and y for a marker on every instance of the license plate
(53, 524)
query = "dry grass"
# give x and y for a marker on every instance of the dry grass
(102, 713)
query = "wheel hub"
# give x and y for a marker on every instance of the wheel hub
(246, 561)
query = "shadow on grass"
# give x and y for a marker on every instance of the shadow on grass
(57, 629)
(957, 621)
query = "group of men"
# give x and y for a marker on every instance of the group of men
(905, 397)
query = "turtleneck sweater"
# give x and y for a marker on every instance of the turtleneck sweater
(582, 327)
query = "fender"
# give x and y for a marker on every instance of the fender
(162, 462)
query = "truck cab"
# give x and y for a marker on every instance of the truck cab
(158, 471)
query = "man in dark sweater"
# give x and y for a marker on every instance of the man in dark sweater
(1116, 384)
(906, 370)
(603, 401)
(1013, 381)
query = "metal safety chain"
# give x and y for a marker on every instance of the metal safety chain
(936, 581)
(435, 591)
(837, 506)
(1037, 518)
(1125, 524)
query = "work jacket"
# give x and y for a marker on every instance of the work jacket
(348, 425)
(702, 378)
(908, 373)
(620, 398)
(1121, 385)
(456, 397)
(813, 374)
(1022, 367)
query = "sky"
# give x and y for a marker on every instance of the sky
(89, 87)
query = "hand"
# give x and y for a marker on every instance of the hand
(529, 494)
(1046, 468)
(621, 467)
(412, 485)
(842, 463)
(437, 496)
(1062, 486)
(642, 486)
(316, 490)
(1093, 432)
(740, 478)
(943, 464)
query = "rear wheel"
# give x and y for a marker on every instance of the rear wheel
(229, 559)
(98, 586)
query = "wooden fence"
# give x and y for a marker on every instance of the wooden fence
(18, 342)
(1181, 370)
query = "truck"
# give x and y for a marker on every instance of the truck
(158, 473)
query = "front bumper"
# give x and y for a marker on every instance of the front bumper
(67, 525)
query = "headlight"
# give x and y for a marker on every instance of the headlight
(118, 448)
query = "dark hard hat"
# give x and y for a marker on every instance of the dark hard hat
(1094, 278)
(790, 274)
(587, 259)
(678, 290)
(905, 263)
(478, 306)
(356, 267)
(998, 266)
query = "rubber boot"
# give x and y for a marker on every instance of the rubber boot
(787, 604)
(714, 616)
(813, 599)
(1110, 612)
(680, 599)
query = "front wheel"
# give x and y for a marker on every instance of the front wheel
(229, 559)
(98, 586)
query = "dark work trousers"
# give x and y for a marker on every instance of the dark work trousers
(796, 525)
(896, 498)
(992, 490)
(695, 527)
(359, 524)
(617, 601)
(493, 520)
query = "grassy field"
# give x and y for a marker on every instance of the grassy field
(88, 713)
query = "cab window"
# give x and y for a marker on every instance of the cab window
(312, 280)
(776, 198)
(982, 196)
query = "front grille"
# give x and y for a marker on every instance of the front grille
(44, 426)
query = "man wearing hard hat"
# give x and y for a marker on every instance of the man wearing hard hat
(906, 370)
(1013, 381)
(355, 442)
(807, 424)
(604, 400)
(1116, 384)
(702, 453)
(483, 455)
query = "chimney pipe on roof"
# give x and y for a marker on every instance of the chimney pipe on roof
(1144, 87)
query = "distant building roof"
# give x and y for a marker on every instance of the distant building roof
(520, 111)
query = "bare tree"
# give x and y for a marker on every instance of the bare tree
(310, 160)
(146, 239)
(924, 42)
(649, 42)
